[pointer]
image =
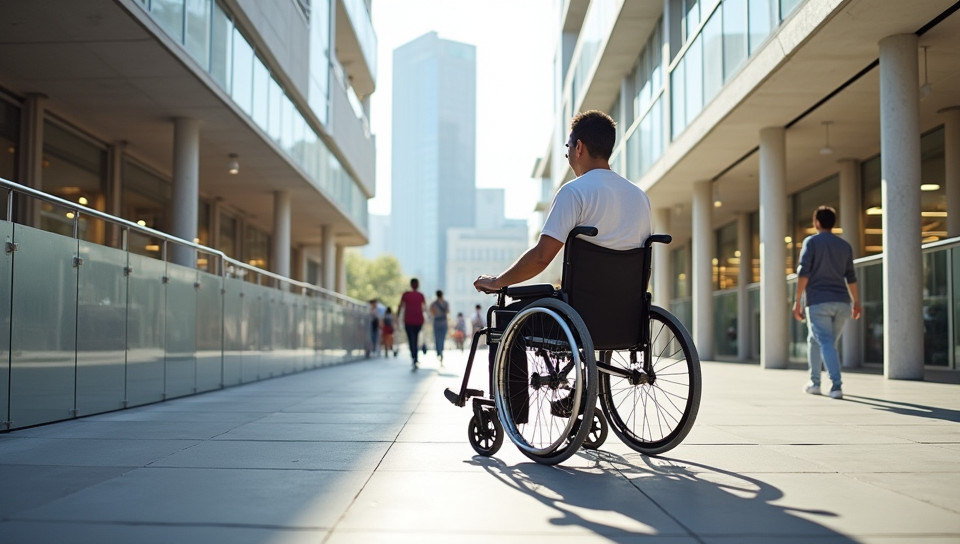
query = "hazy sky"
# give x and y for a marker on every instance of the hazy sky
(515, 41)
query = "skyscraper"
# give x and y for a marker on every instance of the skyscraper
(434, 152)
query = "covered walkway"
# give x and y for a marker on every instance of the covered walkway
(371, 452)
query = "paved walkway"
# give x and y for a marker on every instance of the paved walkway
(371, 452)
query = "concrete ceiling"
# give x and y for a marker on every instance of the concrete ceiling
(105, 72)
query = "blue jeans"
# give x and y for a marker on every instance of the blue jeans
(439, 335)
(825, 322)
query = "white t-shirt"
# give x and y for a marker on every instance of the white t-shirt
(601, 198)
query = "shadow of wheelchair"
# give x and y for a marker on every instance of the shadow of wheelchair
(621, 497)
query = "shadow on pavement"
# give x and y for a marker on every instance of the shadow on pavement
(620, 500)
(907, 408)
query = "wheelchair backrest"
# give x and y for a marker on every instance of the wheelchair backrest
(608, 289)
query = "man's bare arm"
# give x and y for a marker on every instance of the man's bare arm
(531, 263)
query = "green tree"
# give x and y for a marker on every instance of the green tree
(380, 278)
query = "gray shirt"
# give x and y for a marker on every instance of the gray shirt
(826, 260)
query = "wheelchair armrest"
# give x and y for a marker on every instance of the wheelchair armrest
(658, 239)
(537, 290)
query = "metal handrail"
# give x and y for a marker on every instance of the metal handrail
(130, 225)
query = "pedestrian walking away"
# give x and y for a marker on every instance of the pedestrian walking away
(460, 331)
(413, 307)
(439, 311)
(386, 328)
(826, 285)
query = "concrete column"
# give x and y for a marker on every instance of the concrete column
(329, 258)
(186, 188)
(31, 157)
(951, 159)
(661, 260)
(281, 233)
(744, 278)
(341, 282)
(774, 309)
(850, 222)
(703, 250)
(900, 187)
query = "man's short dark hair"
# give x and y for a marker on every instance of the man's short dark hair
(597, 131)
(439, 293)
(826, 216)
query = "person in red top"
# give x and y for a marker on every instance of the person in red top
(413, 306)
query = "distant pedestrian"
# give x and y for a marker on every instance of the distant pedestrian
(460, 331)
(825, 275)
(386, 329)
(477, 321)
(413, 307)
(439, 310)
(374, 319)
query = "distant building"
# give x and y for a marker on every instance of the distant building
(378, 227)
(489, 248)
(433, 154)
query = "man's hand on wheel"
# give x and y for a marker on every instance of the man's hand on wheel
(486, 284)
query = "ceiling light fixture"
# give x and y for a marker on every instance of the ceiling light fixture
(826, 149)
(233, 165)
(926, 88)
(717, 201)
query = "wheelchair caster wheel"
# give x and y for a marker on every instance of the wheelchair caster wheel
(486, 439)
(598, 431)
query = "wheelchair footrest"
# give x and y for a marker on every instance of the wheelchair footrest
(455, 399)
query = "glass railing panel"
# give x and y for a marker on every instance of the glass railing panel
(682, 309)
(6, 286)
(870, 278)
(233, 331)
(955, 310)
(101, 329)
(798, 329)
(146, 299)
(363, 27)
(936, 309)
(181, 332)
(725, 323)
(43, 335)
(209, 332)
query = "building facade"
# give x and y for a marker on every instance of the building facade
(740, 117)
(433, 153)
(240, 124)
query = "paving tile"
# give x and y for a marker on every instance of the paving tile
(299, 455)
(28, 486)
(86, 452)
(45, 532)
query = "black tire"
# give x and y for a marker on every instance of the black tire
(485, 442)
(539, 407)
(653, 418)
(597, 434)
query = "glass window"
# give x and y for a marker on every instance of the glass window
(726, 265)
(935, 309)
(734, 36)
(261, 96)
(693, 84)
(725, 324)
(691, 9)
(169, 15)
(805, 202)
(713, 56)
(761, 21)
(221, 47)
(678, 118)
(9, 137)
(755, 247)
(787, 7)
(228, 234)
(198, 31)
(256, 247)
(275, 97)
(872, 201)
(287, 112)
(145, 199)
(242, 87)
(73, 169)
(319, 89)
(678, 263)
(933, 195)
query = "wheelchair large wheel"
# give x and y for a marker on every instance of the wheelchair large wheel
(653, 407)
(544, 378)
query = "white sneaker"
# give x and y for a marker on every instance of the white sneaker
(812, 389)
(836, 394)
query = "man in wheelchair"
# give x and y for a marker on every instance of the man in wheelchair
(598, 197)
(596, 338)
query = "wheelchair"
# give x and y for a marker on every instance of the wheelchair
(554, 353)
